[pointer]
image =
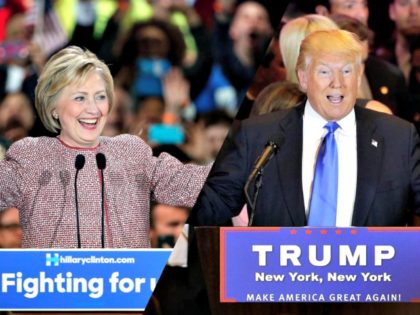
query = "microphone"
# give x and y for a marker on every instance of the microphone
(79, 164)
(65, 181)
(43, 181)
(45, 178)
(101, 163)
(270, 150)
(64, 178)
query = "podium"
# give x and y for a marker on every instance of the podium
(207, 239)
(81, 281)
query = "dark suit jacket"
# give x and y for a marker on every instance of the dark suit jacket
(388, 175)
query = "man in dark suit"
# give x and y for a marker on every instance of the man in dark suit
(378, 154)
(378, 164)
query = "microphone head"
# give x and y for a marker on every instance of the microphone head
(45, 178)
(80, 162)
(65, 177)
(276, 142)
(101, 161)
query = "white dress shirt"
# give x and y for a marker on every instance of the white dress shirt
(345, 136)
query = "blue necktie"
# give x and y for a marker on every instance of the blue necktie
(323, 206)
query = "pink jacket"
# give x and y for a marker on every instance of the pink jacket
(38, 177)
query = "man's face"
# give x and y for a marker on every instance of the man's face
(16, 106)
(215, 136)
(251, 21)
(168, 221)
(152, 42)
(406, 15)
(357, 9)
(10, 230)
(331, 82)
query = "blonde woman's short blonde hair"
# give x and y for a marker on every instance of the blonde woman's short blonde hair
(292, 35)
(336, 42)
(71, 65)
(276, 96)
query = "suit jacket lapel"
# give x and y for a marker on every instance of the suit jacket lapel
(289, 164)
(369, 163)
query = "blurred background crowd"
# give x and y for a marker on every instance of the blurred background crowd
(182, 69)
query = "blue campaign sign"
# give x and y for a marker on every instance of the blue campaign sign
(319, 265)
(56, 279)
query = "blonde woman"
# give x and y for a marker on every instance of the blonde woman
(81, 190)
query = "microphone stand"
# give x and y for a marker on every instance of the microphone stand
(79, 245)
(102, 210)
(101, 163)
(253, 202)
(79, 164)
(256, 174)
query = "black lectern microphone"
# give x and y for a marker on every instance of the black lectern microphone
(101, 163)
(65, 178)
(269, 151)
(78, 164)
(43, 181)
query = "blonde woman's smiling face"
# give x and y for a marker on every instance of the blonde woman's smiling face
(82, 110)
